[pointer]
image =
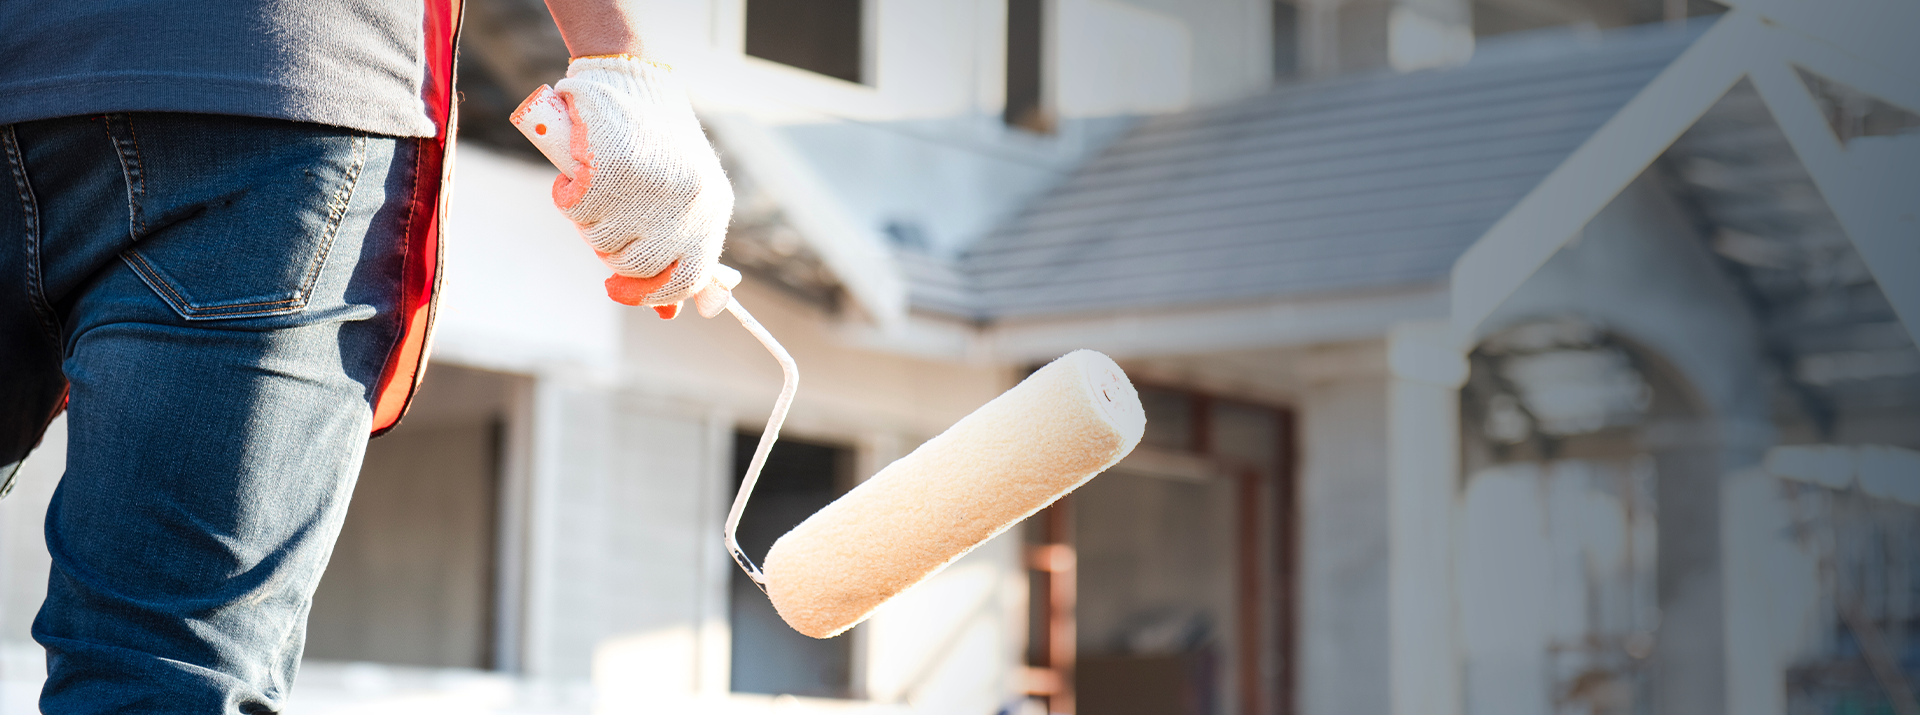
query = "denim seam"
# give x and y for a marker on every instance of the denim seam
(140, 167)
(406, 247)
(151, 276)
(336, 213)
(30, 210)
(134, 173)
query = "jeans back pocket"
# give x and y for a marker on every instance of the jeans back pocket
(234, 219)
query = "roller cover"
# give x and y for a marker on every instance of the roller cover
(1012, 457)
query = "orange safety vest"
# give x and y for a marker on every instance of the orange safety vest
(420, 281)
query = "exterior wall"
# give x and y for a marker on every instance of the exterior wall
(1351, 36)
(952, 645)
(1835, 554)
(1769, 546)
(1232, 58)
(922, 142)
(515, 296)
(1640, 271)
(617, 559)
(1376, 517)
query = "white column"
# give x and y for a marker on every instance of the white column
(542, 515)
(1425, 370)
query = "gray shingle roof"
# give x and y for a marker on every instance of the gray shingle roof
(1367, 183)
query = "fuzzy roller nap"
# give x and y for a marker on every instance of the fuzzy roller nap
(1012, 457)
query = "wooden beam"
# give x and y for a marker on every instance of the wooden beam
(1251, 599)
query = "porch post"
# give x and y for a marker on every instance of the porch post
(1426, 369)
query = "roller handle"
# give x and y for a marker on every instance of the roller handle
(790, 383)
(546, 122)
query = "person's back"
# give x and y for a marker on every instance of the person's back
(359, 64)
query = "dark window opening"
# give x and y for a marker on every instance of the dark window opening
(1216, 549)
(821, 36)
(1026, 108)
(1174, 420)
(768, 655)
(1286, 41)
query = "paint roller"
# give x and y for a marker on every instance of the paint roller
(1061, 426)
(1064, 424)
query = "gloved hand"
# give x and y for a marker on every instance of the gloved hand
(647, 191)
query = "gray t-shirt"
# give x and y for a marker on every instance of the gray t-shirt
(350, 63)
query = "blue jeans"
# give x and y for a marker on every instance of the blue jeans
(216, 298)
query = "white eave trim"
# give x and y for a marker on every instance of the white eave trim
(1246, 326)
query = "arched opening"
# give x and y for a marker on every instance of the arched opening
(1588, 520)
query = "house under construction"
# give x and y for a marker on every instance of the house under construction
(1500, 357)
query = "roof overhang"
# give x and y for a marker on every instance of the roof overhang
(855, 255)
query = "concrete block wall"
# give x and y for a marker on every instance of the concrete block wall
(617, 526)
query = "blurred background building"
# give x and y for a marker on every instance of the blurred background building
(1503, 357)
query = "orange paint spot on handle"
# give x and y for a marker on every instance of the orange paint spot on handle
(540, 129)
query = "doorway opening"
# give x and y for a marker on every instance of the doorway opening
(1173, 573)
(413, 576)
(768, 656)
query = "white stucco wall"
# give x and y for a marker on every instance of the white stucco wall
(922, 140)
(1639, 270)
(1343, 617)
(518, 288)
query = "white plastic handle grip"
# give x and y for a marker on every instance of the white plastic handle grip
(543, 118)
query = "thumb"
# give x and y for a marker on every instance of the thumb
(567, 191)
(629, 290)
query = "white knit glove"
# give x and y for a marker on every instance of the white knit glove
(647, 191)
